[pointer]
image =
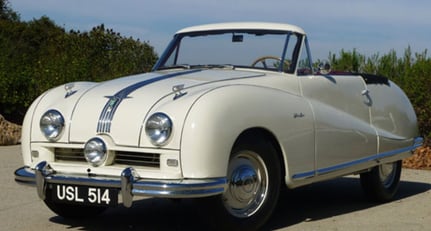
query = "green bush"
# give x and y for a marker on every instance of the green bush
(411, 72)
(38, 55)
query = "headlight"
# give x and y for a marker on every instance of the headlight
(95, 152)
(158, 128)
(52, 125)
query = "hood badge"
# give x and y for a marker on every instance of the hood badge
(177, 89)
(69, 89)
(298, 115)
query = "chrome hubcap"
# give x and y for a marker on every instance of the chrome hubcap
(248, 184)
(387, 174)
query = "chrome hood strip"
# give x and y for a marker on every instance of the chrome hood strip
(105, 119)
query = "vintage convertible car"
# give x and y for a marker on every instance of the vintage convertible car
(231, 114)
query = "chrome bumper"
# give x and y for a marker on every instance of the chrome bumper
(129, 183)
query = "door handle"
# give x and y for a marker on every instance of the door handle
(366, 93)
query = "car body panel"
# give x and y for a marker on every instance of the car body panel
(243, 115)
(390, 106)
(348, 137)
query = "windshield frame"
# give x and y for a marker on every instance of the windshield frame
(174, 46)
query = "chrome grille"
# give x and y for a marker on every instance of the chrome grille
(69, 154)
(137, 158)
(121, 157)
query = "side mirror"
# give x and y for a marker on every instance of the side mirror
(324, 68)
(237, 38)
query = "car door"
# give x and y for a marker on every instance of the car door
(343, 133)
(341, 105)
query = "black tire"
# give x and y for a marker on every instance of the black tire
(381, 183)
(254, 169)
(70, 210)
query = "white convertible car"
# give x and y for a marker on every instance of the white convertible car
(231, 113)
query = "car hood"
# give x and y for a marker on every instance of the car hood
(119, 107)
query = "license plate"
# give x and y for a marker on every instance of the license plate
(84, 195)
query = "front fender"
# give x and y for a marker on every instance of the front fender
(26, 130)
(218, 117)
(54, 98)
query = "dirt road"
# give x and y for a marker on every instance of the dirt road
(332, 205)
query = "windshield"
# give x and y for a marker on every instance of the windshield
(229, 49)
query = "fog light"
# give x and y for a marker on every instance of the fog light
(95, 152)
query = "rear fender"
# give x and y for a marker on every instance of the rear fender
(393, 116)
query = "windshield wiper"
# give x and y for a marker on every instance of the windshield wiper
(212, 66)
(183, 66)
(199, 66)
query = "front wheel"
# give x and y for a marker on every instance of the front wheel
(381, 183)
(254, 179)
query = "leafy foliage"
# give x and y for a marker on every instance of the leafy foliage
(412, 72)
(6, 12)
(38, 55)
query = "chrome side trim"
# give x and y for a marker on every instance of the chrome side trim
(303, 175)
(129, 183)
(418, 141)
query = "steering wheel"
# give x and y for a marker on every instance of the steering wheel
(264, 58)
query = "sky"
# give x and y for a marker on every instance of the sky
(369, 26)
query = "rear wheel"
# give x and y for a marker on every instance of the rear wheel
(72, 210)
(381, 183)
(254, 179)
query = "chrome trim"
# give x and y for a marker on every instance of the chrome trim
(41, 170)
(298, 115)
(158, 128)
(107, 114)
(418, 141)
(129, 182)
(123, 158)
(56, 122)
(177, 89)
(248, 184)
(94, 149)
(127, 179)
(303, 175)
(69, 89)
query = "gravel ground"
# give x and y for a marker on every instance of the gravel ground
(332, 205)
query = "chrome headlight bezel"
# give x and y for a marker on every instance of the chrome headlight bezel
(52, 125)
(158, 128)
(95, 152)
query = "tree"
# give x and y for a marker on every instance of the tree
(6, 13)
(38, 55)
(411, 72)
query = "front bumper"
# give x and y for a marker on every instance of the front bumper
(129, 183)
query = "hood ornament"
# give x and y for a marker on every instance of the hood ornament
(69, 89)
(177, 89)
